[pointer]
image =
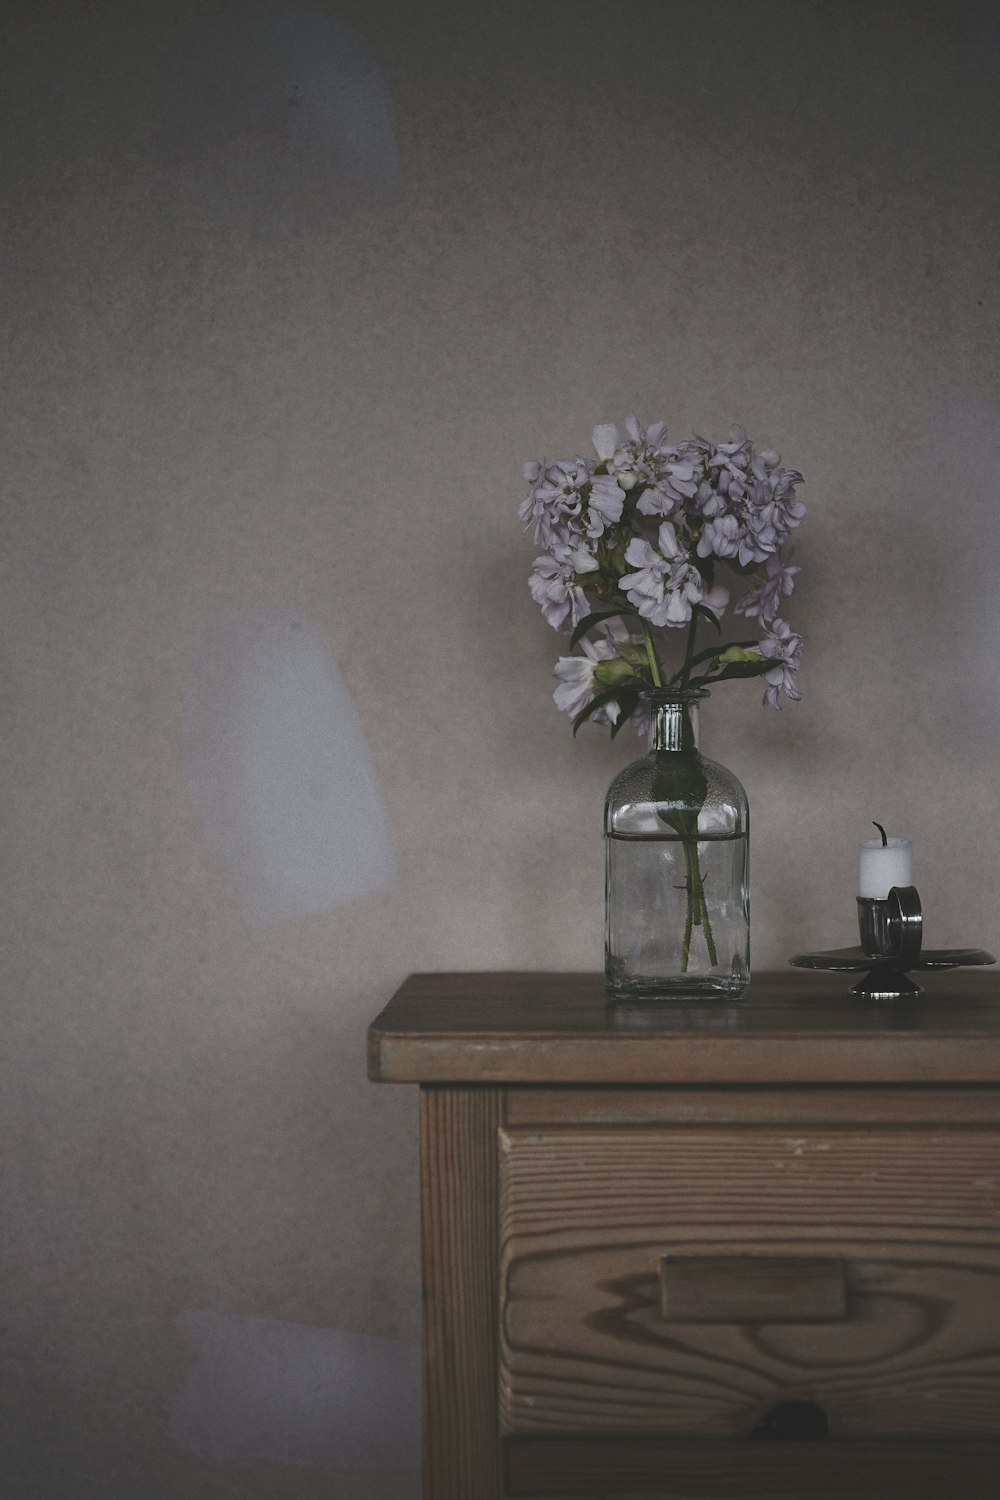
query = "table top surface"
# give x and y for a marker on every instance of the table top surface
(792, 1026)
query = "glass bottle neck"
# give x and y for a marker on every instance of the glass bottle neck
(673, 726)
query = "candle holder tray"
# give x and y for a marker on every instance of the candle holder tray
(891, 947)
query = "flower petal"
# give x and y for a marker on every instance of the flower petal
(606, 440)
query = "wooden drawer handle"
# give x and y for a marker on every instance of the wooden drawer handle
(751, 1289)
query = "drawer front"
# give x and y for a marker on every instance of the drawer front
(686, 1282)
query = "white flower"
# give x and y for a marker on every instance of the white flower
(606, 440)
(576, 676)
(577, 685)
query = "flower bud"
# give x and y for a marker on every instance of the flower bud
(613, 673)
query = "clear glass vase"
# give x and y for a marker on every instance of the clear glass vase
(677, 877)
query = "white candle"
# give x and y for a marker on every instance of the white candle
(880, 867)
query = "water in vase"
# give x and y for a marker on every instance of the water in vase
(677, 914)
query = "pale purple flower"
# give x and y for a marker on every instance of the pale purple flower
(780, 679)
(788, 508)
(669, 472)
(625, 460)
(647, 585)
(555, 590)
(717, 600)
(656, 501)
(576, 676)
(774, 509)
(576, 554)
(721, 537)
(644, 438)
(731, 485)
(748, 497)
(555, 502)
(710, 504)
(577, 685)
(734, 455)
(666, 585)
(605, 504)
(639, 719)
(642, 457)
(765, 601)
(782, 646)
(673, 478)
(707, 500)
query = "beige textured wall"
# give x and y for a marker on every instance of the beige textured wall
(778, 213)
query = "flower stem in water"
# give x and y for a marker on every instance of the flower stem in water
(697, 907)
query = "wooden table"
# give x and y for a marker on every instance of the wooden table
(655, 1235)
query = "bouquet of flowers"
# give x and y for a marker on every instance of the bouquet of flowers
(635, 541)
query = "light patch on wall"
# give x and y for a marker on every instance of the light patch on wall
(951, 503)
(289, 1393)
(280, 771)
(276, 116)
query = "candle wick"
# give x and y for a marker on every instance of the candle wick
(882, 832)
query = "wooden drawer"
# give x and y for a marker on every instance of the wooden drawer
(617, 1316)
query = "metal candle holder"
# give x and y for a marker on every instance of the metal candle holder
(891, 931)
(891, 934)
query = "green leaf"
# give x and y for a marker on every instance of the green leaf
(739, 653)
(634, 652)
(615, 672)
(680, 787)
(591, 621)
(741, 669)
(611, 551)
(706, 614)
(710, 651)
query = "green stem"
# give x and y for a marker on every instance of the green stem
(697, 907)
(688, 920)
(689, 653)
(713, 957)
(651, 656)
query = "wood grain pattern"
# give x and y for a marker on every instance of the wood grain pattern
(587, 1213)
(799, 1122)
(637, 1469)
(792, 1028)
(680, 1105)
(752, 1289)
(458, 1158)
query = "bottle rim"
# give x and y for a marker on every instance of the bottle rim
(673, 695)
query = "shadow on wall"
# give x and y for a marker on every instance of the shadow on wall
(275, 116)
(279, 769)
(265, 1390)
